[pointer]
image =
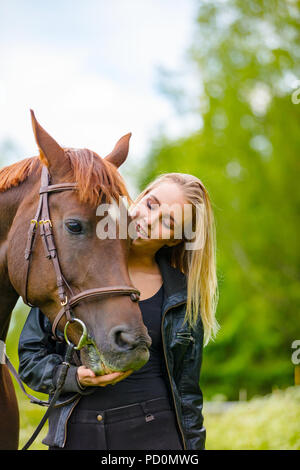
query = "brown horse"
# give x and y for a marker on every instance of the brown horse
(119, 338)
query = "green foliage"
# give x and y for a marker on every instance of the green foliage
(246, 55)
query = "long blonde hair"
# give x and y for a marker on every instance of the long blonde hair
(199, 265)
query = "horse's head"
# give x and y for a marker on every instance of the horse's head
(118, 339)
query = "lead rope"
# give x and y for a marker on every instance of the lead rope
(60, 383)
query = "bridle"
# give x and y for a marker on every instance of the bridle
(43, 220)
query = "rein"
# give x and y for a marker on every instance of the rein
(60, 383)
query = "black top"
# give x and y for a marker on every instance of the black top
(148, 382)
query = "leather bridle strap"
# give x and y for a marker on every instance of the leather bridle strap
(42, 219)
(90, 293)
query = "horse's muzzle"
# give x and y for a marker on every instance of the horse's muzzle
(123, 349)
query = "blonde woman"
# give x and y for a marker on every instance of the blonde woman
(173, 264)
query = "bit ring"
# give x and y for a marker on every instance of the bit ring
(83, 339)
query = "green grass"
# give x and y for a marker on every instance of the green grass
(30, 416)
(263, 423)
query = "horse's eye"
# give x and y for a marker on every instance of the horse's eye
(74, 226)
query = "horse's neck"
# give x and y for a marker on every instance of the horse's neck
(10, 201)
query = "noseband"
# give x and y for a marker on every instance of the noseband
(42, 219)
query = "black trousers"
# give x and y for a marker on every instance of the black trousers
(150, 425)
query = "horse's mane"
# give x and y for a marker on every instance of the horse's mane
(95, 177)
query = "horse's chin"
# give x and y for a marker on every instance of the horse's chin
(91, 358)
(102, 364)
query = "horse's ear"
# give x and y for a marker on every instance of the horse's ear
(51, 153)
(120, 151)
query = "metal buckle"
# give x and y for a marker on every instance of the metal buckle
(84, 337)
(42, 221)
(64, 302)
(34, 221)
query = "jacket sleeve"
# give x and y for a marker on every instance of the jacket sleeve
(39, 358)
(191, 394)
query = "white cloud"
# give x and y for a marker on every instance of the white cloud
(79, 109)
(90, 77)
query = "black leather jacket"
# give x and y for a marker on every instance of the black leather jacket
(40, 358)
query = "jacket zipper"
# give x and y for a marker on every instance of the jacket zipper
(164, 349)
(189, 337)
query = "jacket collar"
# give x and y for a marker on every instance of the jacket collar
(175, 284)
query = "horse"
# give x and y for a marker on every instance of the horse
(87, 268)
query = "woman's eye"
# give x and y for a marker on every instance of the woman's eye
(74, 226)
(150, 204)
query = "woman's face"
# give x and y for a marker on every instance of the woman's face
(159, 216)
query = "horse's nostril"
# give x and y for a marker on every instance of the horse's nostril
(123, 338)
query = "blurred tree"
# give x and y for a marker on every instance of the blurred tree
(246, 56)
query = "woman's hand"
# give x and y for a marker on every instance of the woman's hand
(87, 378)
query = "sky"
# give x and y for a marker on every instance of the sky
(89, 70)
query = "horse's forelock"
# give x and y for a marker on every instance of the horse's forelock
(95, 176)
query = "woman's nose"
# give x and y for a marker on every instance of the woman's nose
(134, 214)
